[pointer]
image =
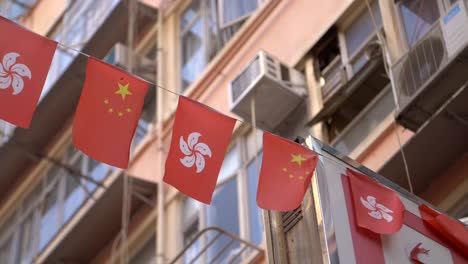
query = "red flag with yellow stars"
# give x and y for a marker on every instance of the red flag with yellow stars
(108, 113)
(286, 171)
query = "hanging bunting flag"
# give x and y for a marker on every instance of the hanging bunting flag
(200, 138)
(108, 113)
(25, 59)
(451, 229)
(285, 174)
(377, 207)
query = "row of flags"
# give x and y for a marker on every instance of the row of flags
(107, 116)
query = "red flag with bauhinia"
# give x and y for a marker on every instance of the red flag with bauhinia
(25, 62)
(200, 138)
(377, 207)
(108, 113)
(451, 229)
(285, 174)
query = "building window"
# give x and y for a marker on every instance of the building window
(146, 255)
(359, 34)
(202, 36)
(235, 191)
(233, 11)
(48, 207)
(16, 9)
(417, 16)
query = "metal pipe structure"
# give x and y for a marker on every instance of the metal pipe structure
(160, 218)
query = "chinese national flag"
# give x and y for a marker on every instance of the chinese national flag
(108, 113)
(200, 138)
(377, 208)
(285, 174)
(25, 59)
(451, 229)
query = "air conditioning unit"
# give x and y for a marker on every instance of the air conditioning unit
(142, 66)
(424, 60)
(275, 88)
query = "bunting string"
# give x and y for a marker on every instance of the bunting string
(79, 52)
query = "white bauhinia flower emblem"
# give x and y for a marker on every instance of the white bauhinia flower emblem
(194, 152)
(12, 73)
(377, 211)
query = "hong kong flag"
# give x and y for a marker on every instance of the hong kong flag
(377, 208)
(108, 113)
(200, 138)
(285, 174)
(25, 59)
(451, 229)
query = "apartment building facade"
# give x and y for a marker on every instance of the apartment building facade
(380, 81)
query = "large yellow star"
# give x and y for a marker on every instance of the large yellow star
(298, 159)
(123, 90)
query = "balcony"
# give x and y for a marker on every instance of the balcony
(99, 213)
(105, 24)
(215, 245)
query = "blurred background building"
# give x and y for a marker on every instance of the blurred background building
(324, 68)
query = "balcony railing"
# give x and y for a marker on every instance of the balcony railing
(334, 76)
(215, 245)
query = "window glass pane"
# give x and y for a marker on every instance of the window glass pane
(49, 220)
(98, 172)
(5, 251)
(361, 29)
(233, 10)
(224, 213)
(251, 151)
(418, 17)
(193, 55)
(25, 253)
(230, 164)
(190, 212)
(256, 223)
(189, 14)
(146, 254)
(74, 196)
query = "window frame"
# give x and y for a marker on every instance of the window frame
(441, 5)
(220, 15)
(240, 175)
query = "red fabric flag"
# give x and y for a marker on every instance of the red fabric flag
(25, 59)
(451, 229)
(108, 113)
(285, 174)
(377, 207)
(200, 138)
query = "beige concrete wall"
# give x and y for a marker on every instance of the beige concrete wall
(44, 15)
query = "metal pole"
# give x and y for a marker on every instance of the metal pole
(160, 218)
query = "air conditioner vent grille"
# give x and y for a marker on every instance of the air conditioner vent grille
(245, 79)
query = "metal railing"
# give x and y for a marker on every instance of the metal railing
(334, 76)
(217, 248)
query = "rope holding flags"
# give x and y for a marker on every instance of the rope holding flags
(107, 117)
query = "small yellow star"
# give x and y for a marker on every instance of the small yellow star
(285, 169)
(106, 101)
(123, 90)
(307, 172)
(129, 110)
(301, 177)
(298, 159)
(291, 176)
(111, 110)
(120, 114)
